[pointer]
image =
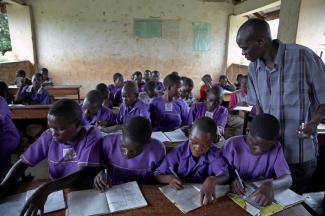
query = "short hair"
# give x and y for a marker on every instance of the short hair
(206, 125)
(175, 72)
(265, 126)
(150, 86)
(21, 73)
(117, 76)
(137, 73)
(94, 97)
(102, 88)
(38, 76)
(155, 71)
(131, 85)
(44, 70)
(216, 90)
(66, 108)
(255, 28)
(147, 71)
(239, 76)
(222, 77)
(188, 81)
(170, 80)
(4, 91)
(138, 129)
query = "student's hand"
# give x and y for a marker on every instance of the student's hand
(264, 194)
(24, 82)
(175, 183)
(102, 181)
(35, 203)
(308, 130)
(236, 187)
(207, 191)
(100, 124)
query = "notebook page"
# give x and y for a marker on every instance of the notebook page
(125, 196)
(243, 108)
(86, 202)
(54, 202)
(176, 136)
(287, 198)
(12, 205)
(160, 136)
(186, 199)
(219, 190)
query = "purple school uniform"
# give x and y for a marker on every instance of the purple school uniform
(269, 165)
(141, 86)
(139, 109)
(160, 87)
(140, 168)
(65, 159)
(9, 136)
(103, 114)
(182, 162)
(168, 116)
(219, 114)
(31, 96)
(115, 95)
(226, 87)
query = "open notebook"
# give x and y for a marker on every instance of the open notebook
(243, 108)
(282, 199)
(12, 205)
(173, 136)
(188, 198)
(118, 198)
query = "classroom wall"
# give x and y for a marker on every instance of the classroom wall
(85, 42)
(311, 26)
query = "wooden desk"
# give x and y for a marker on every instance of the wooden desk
(56, 90)
(226, 97)
(159, 205)
(29, 111)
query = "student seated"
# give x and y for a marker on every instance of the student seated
(47, 81)
(9, 137)
(238, 79)
(93, 111)
(33, 94)
(186, 90)
(137, 77)
(130, 156)
(259, 155)
(168, 113)
(237, 98)
(225, 84)
(102, 88)
(4, 92)
(155, 76)
(147, 76)
(195, 161)
(72, 151)
(115, 89)
(149, 92)
(21, 78)
(207, 84)
(211, 108)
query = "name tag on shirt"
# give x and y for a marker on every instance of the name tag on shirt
(168, 107)
(69, 154)
(209, 114)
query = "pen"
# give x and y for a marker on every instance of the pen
(173, 172)
(239, 179)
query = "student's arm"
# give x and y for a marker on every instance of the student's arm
(173, 181)
(18, 96)
(264, 194)
(317, 116)
(38, 199)
(15, 172)
(208, 188)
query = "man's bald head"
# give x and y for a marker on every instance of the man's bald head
(254, 29)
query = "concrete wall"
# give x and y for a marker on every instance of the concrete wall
(85, 42)
(252, 6)
(311, 26)
(289, 17)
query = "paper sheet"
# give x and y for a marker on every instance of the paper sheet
(244, 108)
(160, 136)
(12, 205)
(176, 136)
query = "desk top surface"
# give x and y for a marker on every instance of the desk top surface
(50, 87)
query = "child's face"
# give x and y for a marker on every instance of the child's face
(36, 82)
(207, 79)
(185, 91)
(243, 84)
(90, 109)
(137, 78)
(62, 130)
(129, 97)
(258, 145)
(213, 101)
(199, 142)
(223, 81)
(44, 74)
(147, 75)
(155, 76)
(128, 148)
(173, 90)
(119, 82)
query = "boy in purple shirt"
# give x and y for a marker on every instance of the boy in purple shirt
(137, 77)
(130, 156)
(149, 92)
(33, 94)
(168, 113)
(186, 90)
(225, 84)
(93, 111)
(160, 88)
(9, 137)
(258, 155)
(195, 161)
(211, 108)
(102, 88)
(72, 151)
(115, 90)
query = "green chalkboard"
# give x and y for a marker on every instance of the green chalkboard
(201, 36)
(147, 28)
